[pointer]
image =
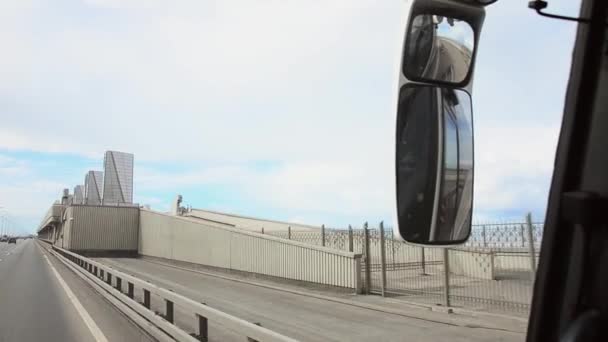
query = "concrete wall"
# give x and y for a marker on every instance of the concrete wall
(100, 229)
(472, 264)
(513, 261)
(190, 240)
(250, 223)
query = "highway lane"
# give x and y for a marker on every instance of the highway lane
(301, 317)
(34, 306)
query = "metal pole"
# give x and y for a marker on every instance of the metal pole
(383, 258)
(446, 278)
(523, 236)
(483, 235)
(531, 245)
(422, 261)
(350, 238)
(289, 233)
(368, 261)
(393, 250)
(322, 235)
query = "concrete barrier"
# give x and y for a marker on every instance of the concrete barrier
(190, 240)
(472, 264)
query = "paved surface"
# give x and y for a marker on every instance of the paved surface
(306, 318)
(35, 307)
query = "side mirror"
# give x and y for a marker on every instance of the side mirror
(438, 48)
(434, 164)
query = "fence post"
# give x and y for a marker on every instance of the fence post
(393, 250)
(383, 258)
(483, 236)
(523, 236)
(289, 233)
(323, 235)
(422, 261)
(358, 279)
(531, 245)
(262, 230)
(446, 278)
(350, 238)
(368, 261)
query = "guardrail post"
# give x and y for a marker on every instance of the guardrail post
(350, 238)
(383, 258)
(446, 278)
(368, 261)
(203, 328)
(95, 270)
(119, 284)
(169, 310)
(250, 339)
(101, 274)
(531, 246)
(109, 280)
(130, 290)
(147, 298)
(323, 235)
(289, 233)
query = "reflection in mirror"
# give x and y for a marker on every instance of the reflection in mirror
(434, 164)
(438, 49)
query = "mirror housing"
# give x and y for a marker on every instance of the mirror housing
(438, 49)
(434, 164)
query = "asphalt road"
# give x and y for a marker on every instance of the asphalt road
(300, 317)
(34, 306)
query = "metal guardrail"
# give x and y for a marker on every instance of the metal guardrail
(166, 321)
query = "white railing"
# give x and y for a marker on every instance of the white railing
(190, 240)
(107, 276)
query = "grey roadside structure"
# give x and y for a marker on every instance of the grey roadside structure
(492, 272)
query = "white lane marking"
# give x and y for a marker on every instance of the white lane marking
(95, 331)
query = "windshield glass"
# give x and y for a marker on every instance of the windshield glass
(227, 169)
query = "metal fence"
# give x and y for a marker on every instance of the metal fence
(493, 271)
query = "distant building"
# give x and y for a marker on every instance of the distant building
(118, 178)
(93, 185)
(78, 194)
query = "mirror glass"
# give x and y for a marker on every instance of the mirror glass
(438, 49)
(434, 165)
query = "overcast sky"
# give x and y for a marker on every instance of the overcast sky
(279, 109)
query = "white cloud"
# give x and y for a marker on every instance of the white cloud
(307, 85)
